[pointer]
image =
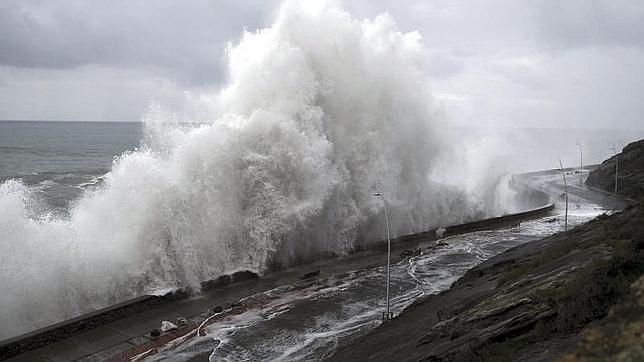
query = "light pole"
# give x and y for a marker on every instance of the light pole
(581, 165)
(384, 202)
(616, 167)
(563, 173)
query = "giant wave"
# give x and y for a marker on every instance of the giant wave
(320, 110)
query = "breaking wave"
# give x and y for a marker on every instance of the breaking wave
(320, 110)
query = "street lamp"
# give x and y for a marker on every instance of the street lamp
(616, 167)
(563, 173)
(379, 194)
(581, 165)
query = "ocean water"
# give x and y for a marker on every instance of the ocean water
(60, 160)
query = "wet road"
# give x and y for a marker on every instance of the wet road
(310, 322)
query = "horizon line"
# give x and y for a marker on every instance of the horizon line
(63, 120)
(454, 126)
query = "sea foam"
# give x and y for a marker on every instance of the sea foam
(320, 110)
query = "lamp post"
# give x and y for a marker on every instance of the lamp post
(581, 165)
(384, 202)
(563, 173)
(616, 167)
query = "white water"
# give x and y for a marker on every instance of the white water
(320, 111)
(309, 323)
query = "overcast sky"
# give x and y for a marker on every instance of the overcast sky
(549, 63)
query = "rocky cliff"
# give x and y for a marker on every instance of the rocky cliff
(630, 180)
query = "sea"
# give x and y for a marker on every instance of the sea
(59, 160)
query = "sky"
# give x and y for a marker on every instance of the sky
(503, 63)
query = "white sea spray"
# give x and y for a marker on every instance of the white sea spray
(320, 111)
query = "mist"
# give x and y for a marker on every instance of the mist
(320, 110)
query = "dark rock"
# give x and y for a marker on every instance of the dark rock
(243, 275)
(221, 281)
(630, 181)
(155, 333)
(218, 309)
(410, 253)
(310, 275)
(177, 295)
(233, 305)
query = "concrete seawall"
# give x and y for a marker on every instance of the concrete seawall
(44, 336)
(484, 224)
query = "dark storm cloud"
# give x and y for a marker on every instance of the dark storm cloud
(182, 40)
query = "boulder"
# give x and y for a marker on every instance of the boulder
(167, 326)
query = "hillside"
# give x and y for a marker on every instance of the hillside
(630, 180)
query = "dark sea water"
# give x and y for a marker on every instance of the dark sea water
(61, 159)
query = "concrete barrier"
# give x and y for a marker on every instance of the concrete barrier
(41, 337)
(557, 170)
(485, 224)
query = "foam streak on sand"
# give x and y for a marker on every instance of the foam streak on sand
(319, 111)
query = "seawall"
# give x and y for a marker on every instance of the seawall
(47, 335)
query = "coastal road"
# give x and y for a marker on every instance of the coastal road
(310, 323)
(293, 319)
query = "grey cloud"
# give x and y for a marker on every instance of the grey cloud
(84, 94)
(444, 64)
(564, 63)
(183, 40)
(565, 24)
(529, 72)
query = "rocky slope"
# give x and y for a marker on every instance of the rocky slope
(630, 180)
(617, 337)
(577, 295)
